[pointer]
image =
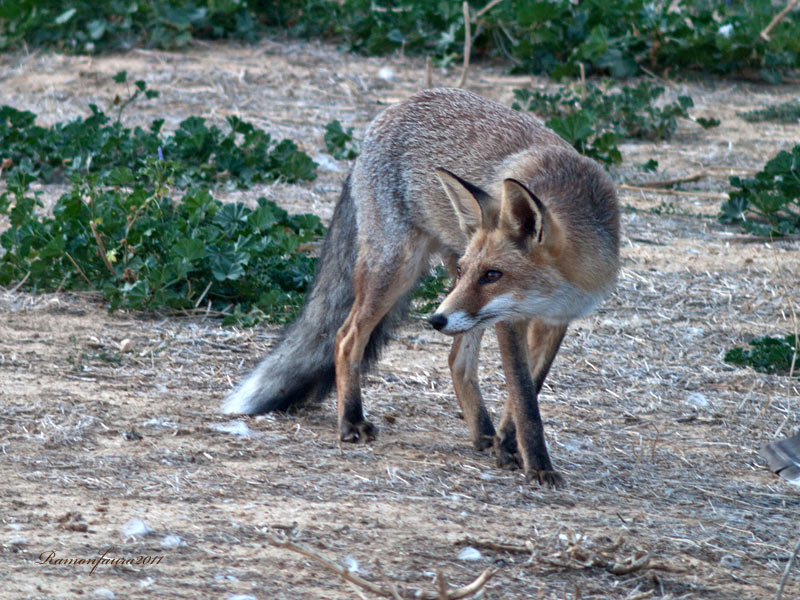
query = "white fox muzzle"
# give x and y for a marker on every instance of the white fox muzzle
(455, 323)
(460, 321)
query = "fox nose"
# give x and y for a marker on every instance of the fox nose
(438, 321)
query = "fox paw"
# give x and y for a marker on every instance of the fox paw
(360, 432)
(483, 442)
(551, 479)
(506, 459)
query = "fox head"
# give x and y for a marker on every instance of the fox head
(513, 265)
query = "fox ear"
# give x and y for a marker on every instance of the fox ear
(469, 201)
(523, 214)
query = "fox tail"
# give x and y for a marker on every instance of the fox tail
(300, 367)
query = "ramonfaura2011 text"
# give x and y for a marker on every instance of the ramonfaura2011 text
(49, 557)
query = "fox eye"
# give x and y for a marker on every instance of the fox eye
(490, 276)
(458, 272)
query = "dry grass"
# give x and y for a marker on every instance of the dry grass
(656, 435)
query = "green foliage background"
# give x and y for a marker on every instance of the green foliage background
(140, 224)
(539, 36)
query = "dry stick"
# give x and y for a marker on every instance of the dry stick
(428, 73)
(786, 571)
(392, 587)
(490, 545)
(777, 19)
(670, 182)
(467, 45)
(624, 569)
(440, 578)
(664, 80)
(471, 588)
(357, 591)
(654, 190)
(796, 326)
(21, 283)
(342, 572)
(462, 592)
(203, 295)
(487, 8)
(80, 271)
(642, 563)
(101, 247)
(583, 81)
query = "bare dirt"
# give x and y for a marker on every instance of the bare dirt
(657, 437)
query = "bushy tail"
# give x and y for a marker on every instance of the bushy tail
(300, 368)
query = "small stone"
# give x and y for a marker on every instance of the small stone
(469, 553)
(731, 562)
(352, 564)
(171, 541)
(697, 400)
(136, 528)
(327, 163)
(238, 428)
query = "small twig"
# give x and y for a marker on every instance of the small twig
(626, 567)
(101, 247)
(655, 443)
(655, 190)
(472, 588)
(777, 19)
(486, 9)
(392, 587)
(786, 571)
(488, 544)
(393, 9)
(341, 571)
(641, 595)
(21, 283)
(462, 592)
(442, 581)
(756, 239)
(203, 295)
(670, 182)
(357, 591)
(796, 327)
(428, 72)
(467, 45)
(80, 271)
(583, 81)
(664, 80)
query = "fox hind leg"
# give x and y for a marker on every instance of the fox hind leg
(381, 279)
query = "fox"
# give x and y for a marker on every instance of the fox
(527, 228)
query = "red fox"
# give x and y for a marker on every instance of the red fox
(527, 227)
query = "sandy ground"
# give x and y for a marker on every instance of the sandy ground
(657, 437)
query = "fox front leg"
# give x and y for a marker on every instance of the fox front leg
(524, 382)
(463, 363)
